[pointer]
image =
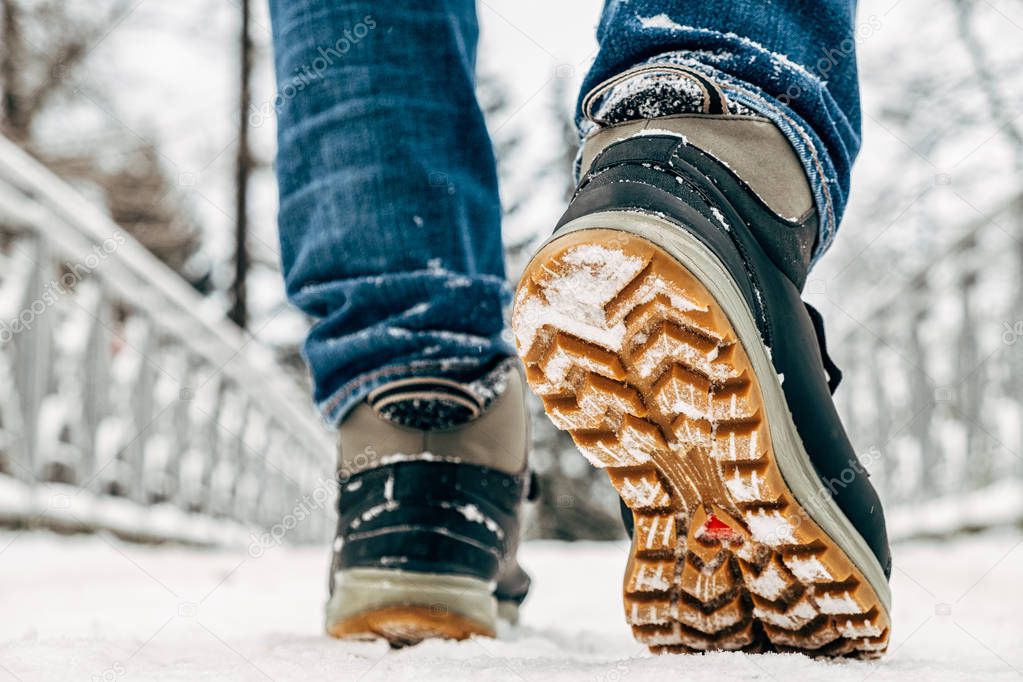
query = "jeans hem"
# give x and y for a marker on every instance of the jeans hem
(337, 406)
(811, 152)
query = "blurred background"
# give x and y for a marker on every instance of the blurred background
(151, 387)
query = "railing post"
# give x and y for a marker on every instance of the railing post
(96, 380)
(211, 448)
(1016, 314)
(34, 352)
(16, 428)
(142, 413)
(182, 434)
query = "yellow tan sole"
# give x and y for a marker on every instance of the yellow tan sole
(407, 625)
(633, 356)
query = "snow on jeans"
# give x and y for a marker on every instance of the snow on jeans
(389, 211)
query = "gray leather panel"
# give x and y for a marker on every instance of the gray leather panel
(751, 146)
(499, 438)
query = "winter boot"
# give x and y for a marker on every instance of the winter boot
(662, 326)
(433, 481)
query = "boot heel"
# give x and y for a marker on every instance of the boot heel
(406, 607)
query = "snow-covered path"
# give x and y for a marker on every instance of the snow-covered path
(97, 609)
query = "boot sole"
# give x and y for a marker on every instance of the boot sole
(407, 625)
(633, 356)
(405, 607)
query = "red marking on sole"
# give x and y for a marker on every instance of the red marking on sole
(716, 529)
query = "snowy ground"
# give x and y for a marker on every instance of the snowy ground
(97, 609)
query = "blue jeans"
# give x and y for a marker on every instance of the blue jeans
(389, 210)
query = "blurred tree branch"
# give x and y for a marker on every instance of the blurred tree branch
(44, 44)
(24, 98)
(989, 83)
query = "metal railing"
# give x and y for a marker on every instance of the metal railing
(127, 403)
(933, 396)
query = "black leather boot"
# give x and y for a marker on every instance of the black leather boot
(662, 326)
(433, 481)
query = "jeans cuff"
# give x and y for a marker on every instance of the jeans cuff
(337, 406)
(691, 95)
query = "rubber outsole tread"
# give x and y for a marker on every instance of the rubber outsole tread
(632, 356)
(408, 625)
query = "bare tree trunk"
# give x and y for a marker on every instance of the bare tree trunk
(10, 62)
(243, 168)
(1003, 114)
